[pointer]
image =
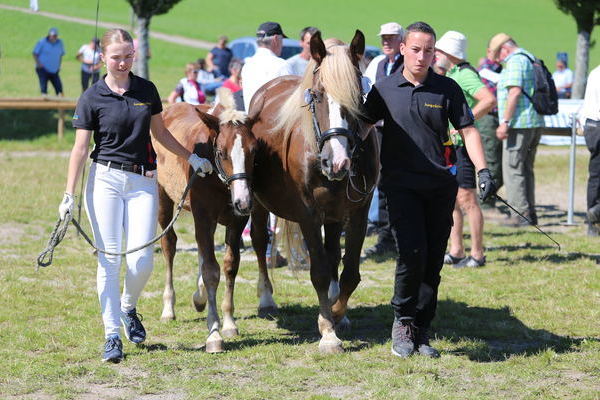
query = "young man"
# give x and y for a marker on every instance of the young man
(297, 64)
(418, 170)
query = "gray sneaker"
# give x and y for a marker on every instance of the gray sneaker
(403, 337)
(422, 344)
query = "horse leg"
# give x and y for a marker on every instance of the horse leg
(320, 276)
(267, 308)
(333, 232)
(209, 278)
(168, 245)
(356, 229)
(231, 264)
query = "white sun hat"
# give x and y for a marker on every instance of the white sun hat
(453, 43)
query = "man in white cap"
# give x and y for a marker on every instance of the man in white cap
(451, 55)
(520, 126)
(380, 67)
(265, 64)
(388, 62)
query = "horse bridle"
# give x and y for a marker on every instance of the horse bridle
(226, 179)
(354, 140)
(310, 98)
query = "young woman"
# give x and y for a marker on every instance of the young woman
(121, 196)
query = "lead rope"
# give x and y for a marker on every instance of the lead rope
(60, 229)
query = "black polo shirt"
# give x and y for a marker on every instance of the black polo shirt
(416, 151)
(121, 124)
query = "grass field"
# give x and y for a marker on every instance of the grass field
(536, 24)
(524, 327)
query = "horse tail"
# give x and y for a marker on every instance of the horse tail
(295, 248)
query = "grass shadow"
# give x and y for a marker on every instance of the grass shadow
(483, 334)
(493, 335)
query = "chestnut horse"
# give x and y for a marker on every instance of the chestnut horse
(317, 164)
(226, 140)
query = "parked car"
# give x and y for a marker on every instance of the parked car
(245, 47)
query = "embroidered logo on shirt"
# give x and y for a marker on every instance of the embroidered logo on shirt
(142, 104)
(432, 105)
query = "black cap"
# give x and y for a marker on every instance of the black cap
(269, 29)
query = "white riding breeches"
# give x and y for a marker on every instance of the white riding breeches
(118, 203)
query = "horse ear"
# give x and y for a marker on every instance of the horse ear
(357, 47)
(210, 121)
(317, 48)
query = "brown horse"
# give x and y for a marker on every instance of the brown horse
(316, 165)
(226, 140)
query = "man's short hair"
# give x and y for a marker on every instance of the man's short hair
(309, 29)
(265, 41)
(418, 27)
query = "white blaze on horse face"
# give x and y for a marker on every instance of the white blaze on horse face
(338, 143)
(240, 190)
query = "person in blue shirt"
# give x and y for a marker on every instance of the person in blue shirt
(48, 53)
(218, 59)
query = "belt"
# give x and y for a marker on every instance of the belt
(135, 168)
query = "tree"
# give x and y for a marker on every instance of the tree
(144, 10)
(586, 14)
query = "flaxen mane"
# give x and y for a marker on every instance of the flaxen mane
(337, 74)
(229, 113)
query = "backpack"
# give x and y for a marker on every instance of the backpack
(466, 65)
(545, 97)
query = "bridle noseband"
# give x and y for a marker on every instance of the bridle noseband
(226, 179)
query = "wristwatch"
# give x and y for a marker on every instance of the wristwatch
(506, 121)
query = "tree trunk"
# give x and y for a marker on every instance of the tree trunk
(141, 64)
(582, 59)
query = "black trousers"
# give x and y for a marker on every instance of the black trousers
(591, 132)
(86, 76)
(45, 76)
(421, 221)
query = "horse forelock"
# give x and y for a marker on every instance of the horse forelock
(338, 76)
(229, 113)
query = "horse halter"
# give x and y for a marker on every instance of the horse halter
(226, 179)
(310, 98)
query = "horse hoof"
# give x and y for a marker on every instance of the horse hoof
(267, 312)
(343, 325)
(167, 318)
(199, 305)
(214, 346)
(229, 333)
(331, 347)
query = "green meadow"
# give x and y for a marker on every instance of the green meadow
(536, 25)
(525, 326)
